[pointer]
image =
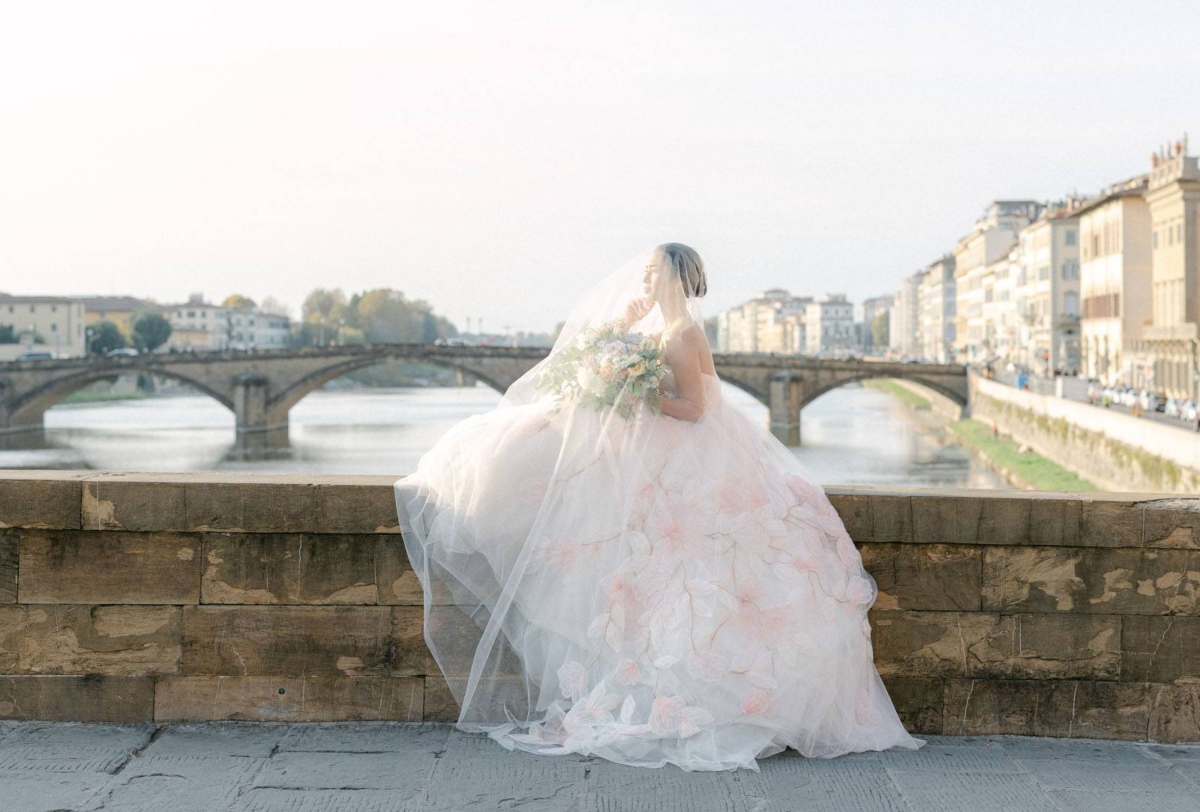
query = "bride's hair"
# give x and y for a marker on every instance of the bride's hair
(687, 267)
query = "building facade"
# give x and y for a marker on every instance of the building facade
(937, 309)
(829, 325)
(120, 310)
(1115, 282)
(52, 324)
(773, 321)
(1173, 339)
(1048, 278)
(992, 238)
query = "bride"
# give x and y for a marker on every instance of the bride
(618, 562)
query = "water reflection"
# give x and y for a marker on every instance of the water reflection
(853, 435)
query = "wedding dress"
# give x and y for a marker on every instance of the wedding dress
(637, 587)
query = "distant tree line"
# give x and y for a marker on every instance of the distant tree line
(376, 316)
(150, 330)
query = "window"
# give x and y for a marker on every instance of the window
(1156, 238)
(54, 327)
(1070, 236)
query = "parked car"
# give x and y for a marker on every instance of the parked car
(38, 355)
(122, 352)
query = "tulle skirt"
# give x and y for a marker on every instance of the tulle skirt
(645, 590)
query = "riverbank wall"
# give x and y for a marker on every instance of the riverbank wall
(1116, 451)
(170, 597)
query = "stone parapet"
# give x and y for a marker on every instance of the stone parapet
(139, 597)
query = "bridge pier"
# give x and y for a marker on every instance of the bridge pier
(786, 398)
(250, 402)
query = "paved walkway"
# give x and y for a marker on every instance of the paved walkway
(386, 767)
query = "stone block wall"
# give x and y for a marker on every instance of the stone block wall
(192, 597)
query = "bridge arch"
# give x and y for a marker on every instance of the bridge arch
(281, 403)
(29, 407)
(750, 389)
(958, 398)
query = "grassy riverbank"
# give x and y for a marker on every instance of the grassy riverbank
(902, 392)
(1022, 469)
(1026, 469)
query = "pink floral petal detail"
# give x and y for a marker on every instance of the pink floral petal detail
(756, 701)
(666, 714)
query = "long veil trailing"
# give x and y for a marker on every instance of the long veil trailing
(601, 577)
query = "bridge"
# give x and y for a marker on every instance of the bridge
(261, 387)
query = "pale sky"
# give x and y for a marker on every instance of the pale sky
(493, 157)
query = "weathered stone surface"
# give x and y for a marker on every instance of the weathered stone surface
(1054, 521)
(40, 499)
(878, 517)
(941, 644)
(398, 583)
(299, 568)
(919, 702)
(1110, 521)
(1160, 649)
(113, 640)
(9, 547)
(253, 507)
(1174, 713)
(91, 698)
(1078, 579)
(925, 576)
(440, 704)
(12, 635)
(289, 699)
(298, 641)
(124, 502)
(356, 508)
(1062, 708)
(980, 644)
(1172, 523)
(1067, 647)
(105, 567)
(970, 517)
(494, 698)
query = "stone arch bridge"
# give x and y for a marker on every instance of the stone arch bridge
(261, 387)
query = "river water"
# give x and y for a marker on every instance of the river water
(852, 436)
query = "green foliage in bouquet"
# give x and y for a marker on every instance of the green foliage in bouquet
(606, 367)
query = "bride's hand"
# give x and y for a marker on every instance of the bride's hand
(637, 309)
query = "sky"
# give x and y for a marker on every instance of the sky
(495, 158)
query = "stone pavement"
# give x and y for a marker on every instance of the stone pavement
(243, 767)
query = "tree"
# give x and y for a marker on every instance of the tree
(880, 329)
(106, 337)
(150, 331)
(386, 317)
(273, 307)
(239, 302)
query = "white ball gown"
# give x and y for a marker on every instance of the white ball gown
(640, 588)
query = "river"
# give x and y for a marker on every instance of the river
(852, 436)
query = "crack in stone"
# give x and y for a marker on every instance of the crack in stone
(137, 751)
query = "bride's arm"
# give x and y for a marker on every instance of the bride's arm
(684, 357)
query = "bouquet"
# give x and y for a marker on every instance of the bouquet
(606, 367)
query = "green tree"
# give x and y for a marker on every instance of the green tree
(385, 316)
(322, 315)
(880, 329)
(150, 331)
(106, 337)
